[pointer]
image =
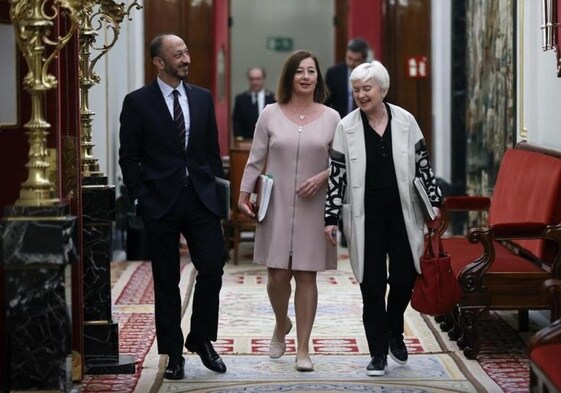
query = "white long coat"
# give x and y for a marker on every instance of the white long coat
(349, 139)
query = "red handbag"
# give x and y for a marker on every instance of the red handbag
(436, 290)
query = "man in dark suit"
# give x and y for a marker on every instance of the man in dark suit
(169, 156)
(337, 77)
(249, 104)
(340, 92)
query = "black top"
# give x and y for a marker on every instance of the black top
(380, 170)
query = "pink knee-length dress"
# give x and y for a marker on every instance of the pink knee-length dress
(293, 226)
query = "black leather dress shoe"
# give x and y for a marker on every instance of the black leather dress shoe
(208, 355)
(175, 368)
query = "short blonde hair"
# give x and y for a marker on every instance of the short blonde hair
(372, 70)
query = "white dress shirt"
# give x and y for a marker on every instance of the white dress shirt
(167, 92)
(260, 96)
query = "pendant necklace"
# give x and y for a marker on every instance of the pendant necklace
(302, 117)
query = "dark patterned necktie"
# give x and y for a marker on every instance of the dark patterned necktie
(178, 119)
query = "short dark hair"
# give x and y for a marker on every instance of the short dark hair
(156, 45)
(284, 85)
(358, 45)
(263, 72)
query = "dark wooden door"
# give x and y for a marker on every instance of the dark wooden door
(341, 29)
(203, 25)
(407, 56)
(190, 20)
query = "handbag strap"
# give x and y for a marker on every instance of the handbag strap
(440, 250)
(429, 251)
(436, 250)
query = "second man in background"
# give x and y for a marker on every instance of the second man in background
(249, 104)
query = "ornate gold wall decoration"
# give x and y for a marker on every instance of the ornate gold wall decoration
(95, 15)
(33, 21)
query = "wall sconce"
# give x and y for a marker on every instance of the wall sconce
(550, 29)
(549, 23)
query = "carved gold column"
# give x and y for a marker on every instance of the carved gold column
(95, 15)
(33, 21)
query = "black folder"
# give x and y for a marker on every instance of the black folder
(223, 192)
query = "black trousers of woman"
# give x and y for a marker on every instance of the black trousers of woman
(385, 236)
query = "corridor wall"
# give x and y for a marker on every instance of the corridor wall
(121, 71)
(539, 88)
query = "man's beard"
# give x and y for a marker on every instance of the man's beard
(174, 72)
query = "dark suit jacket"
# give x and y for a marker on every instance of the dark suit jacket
(337, 81)
(151, 158)
(245, 115)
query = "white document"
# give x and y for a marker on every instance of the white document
(424, 198)
(264, 189)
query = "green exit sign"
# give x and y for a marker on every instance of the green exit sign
(280, 44)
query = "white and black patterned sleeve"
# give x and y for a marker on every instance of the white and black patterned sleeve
(336, 187)
(423, 170)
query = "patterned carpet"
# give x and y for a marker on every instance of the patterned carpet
(339, 349)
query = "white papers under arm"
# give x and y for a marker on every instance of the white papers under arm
(424, 199)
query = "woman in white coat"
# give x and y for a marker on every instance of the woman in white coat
(378, 150)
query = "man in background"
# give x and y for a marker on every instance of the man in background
(249, 104)
(337, 77)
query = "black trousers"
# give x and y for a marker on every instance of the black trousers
(385, 235)
(203, 233)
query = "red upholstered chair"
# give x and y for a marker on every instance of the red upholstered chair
(544, 348)
(503, 264)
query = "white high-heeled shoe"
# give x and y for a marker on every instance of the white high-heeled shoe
(278, 348)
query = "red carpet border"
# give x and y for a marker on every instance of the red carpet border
(503, 355)
(136, 330)
(139, 289)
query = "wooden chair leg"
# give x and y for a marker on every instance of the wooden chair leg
(469, 324)
(456, 332)
(447, 323)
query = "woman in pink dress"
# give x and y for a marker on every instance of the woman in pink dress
(291, 143)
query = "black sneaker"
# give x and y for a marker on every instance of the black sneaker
(377, 366)
(398, 350)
